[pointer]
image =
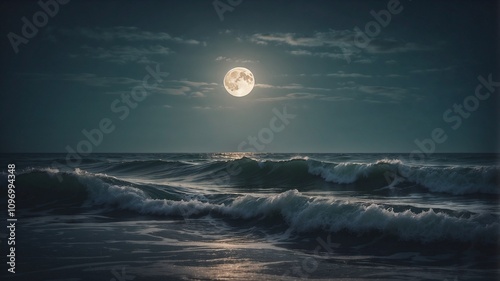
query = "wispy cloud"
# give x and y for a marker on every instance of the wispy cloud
(205, 85)
(88, 79)
(177, 90)
(376, 93)
(125, 54)
(303, 96)
(338, 44)
(127, 33)
(187, 88)
(318, 39)
(363, 61)
(290, 87)
(121, 85)
(383, 94)
(226, 31)
(235, 60)
(432, 70)
(298, 92)
(346, 90)
(301, 52)
(391, 93)
(390, 45)
(122, 44)
(342, 74)
(338, 74)
(395, 75)
(220, 107)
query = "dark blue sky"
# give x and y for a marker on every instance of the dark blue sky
(416, 76)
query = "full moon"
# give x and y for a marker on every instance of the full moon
(239, 81)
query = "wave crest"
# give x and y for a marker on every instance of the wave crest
(299, 212)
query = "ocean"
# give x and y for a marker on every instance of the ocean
(252, 216)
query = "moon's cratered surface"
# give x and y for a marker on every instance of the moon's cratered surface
(239, 81)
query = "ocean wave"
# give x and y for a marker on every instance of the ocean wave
(304, 213)
(457, 180)
(303, 172)
(50, 185)
(300, 172)
(299, 212)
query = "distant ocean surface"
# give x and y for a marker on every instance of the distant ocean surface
(254, 216)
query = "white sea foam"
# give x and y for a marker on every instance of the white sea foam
(450, 179)
(303, 213)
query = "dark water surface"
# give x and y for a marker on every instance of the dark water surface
(233, 216)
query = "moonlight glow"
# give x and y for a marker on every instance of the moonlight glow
(239, 81)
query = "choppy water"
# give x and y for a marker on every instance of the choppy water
(233, 216)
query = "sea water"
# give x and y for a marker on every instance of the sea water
(254, 216)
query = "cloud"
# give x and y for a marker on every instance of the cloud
(301, 53)
(123, 85)
(125, 54)
(121, 44)
(363, 61)
(298, 92)
(194, 83)
(201, 87)
(318, 39)
(290, 87)
(378, 94)
(235, 60)
(291, 96)
(176, 90)
(391, 94)
(187, 88)
(335, 44)
(317, 54)
(348, 90)
(395, 75)
(220, 107)
(303, 96)
(338, 74)
(197, 94)
(432, 70)
(336, 98)
(348, 83)
(226, 31)
(126, 33)
(341, 74)
(88, 79)
(389, 46)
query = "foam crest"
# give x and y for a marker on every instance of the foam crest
(299, 212)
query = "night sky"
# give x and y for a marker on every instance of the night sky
(149, 76)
